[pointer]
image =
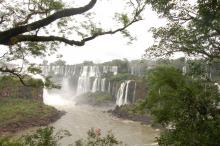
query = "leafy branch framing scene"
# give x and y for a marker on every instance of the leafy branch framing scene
(142, 72)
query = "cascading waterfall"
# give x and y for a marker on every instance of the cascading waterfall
(85, 82)
(91, 79)
(120, 94)
(126, 94)
(109, 87)
(103, 84)
(96, 84)
(83, 85)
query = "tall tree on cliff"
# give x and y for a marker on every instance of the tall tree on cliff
(36, 27)
(189, 106)
(193, 28)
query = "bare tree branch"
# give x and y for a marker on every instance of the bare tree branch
(14, 73)
(33, 38)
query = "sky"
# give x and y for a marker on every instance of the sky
(109, 47)
(106, 48)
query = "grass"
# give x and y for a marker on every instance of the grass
(101, 96)
(15, 110)
(95, 98)
(135, 108)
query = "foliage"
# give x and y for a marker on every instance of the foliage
(95, 98)
(50, 84)
(177, 63)
(192, 28)
(137, 108)
(15, 110)
(88, 63)
(122, 77)
(35, 28)
(42, 137)
(197, 68)
(121, 64)
(47, 137)
(188, 106)
(99, 96)
(94, 139)
(6, 81)
(8, 141)
(59, 63)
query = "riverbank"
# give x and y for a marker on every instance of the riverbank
(134, 112)
(125, 114)
(20, 114)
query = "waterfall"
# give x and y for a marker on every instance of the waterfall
(96, 85)
(120, 94)
(103, 84)
(83, 81)
(85, 78)
(126, 93)
(184, 70)
(109, 87)
(92, 78)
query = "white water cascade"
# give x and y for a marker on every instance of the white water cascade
(120, 95)
(126, 94)
(109, 87)
(96, 84)
(90, 79)
(83, 79)
(103, 84)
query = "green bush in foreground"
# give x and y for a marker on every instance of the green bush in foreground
(47, 137)
(94, 139)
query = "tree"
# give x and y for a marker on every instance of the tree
(189, 106)
(59, 63)
(36, 27)
(192, 28)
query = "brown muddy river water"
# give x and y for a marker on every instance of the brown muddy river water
(80, 118)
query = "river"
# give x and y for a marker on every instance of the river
(80, 118)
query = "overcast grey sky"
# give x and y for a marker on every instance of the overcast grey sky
(109, 47)
(115, 46)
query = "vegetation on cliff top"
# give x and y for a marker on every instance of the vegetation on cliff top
(13, 81)
(188, 105)
(96, 98)
(18, 114)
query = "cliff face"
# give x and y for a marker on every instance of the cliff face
(125, 86)
(13, 88)
(141, 90)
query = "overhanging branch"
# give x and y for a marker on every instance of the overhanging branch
(34, 38)
(13, 72)
(5, 36)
